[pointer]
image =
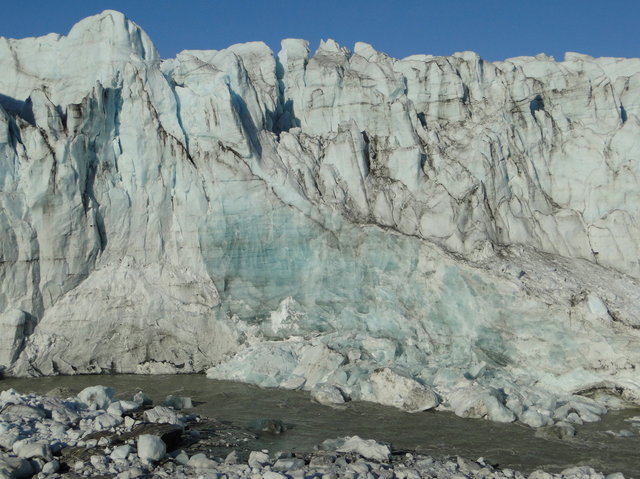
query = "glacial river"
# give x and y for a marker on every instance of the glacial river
(435, 433)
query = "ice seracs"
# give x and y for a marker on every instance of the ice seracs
(308, 220)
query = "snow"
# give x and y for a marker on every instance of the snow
(303, 221)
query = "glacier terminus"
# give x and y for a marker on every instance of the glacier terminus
(426, 232)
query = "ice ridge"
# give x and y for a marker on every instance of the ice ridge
(465, 233)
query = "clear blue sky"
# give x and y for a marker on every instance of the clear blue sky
(496, 29)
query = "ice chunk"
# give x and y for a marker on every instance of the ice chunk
(97, 397)
(28, 450)
(150, 448)
(120, 452)
(178, 402)
(478, 403)
(327, 394)
(367, 448)
(597, 306)
(107, 421)
(163, 415)
(393, 389)
(535, 418)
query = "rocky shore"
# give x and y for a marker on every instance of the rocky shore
(93, 434)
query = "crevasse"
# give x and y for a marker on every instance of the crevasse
(422, 231)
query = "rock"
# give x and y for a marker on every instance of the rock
(151, 448)
(258, 459)
(77, 455)
(182, 458)
(51, 467)
(97, 397)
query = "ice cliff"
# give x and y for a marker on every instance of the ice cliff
(457, 231)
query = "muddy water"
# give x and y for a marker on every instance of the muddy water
(435, 433)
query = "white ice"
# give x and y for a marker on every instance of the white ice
(307, 221)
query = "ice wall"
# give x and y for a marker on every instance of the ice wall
(344, 222)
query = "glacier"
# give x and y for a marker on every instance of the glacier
(419, 232)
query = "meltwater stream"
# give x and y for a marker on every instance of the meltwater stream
(435, 433)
